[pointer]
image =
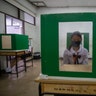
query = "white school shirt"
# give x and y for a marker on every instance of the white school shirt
(68, 56)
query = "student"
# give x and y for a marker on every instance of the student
(75, 54)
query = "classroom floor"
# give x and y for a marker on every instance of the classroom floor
(25, 85)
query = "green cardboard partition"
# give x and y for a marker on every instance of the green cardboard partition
(13, 42)
(50, 43)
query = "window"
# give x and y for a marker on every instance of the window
(29, 18)
(13, 25)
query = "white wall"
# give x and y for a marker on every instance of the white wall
(2, 30)
(65, 10)
(59, 10)
(2, 23)
(30, 31)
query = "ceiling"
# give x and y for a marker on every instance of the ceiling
(63, 3)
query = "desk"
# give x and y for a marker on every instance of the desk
(66, 87)
(76, 68)
(16, 54)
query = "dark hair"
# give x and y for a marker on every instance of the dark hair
(76, 33)
(73, 34)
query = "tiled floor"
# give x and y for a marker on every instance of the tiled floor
(24, 85)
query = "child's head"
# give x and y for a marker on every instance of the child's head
(76, 39)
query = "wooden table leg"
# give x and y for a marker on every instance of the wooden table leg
(24, 59)
(32, 61)
(16, 66)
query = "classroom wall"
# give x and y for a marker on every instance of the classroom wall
(60, 10)
(30, 31)
(2, 23)
(2, 30)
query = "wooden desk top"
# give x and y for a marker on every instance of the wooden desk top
(62, 81)
(76, 68)
(11, 52)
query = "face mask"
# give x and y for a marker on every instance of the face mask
(76, 43)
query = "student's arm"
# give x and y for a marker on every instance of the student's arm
(85, 61)
(65, 57)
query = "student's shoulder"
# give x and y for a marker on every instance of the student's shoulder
(85, 50)
(66, 51)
